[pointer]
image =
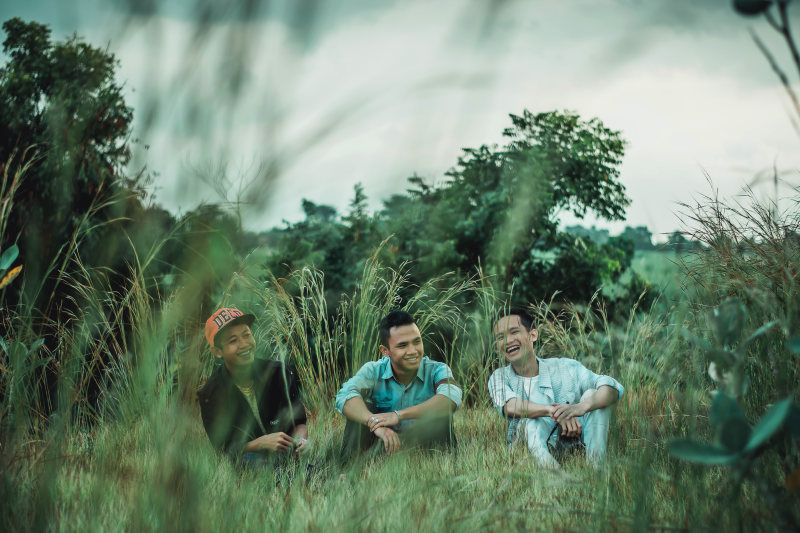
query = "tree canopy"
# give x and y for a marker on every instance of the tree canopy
(62, 110)
(497, 208)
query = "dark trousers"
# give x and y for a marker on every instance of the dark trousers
(433, 432)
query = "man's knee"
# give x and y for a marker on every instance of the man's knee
(535, 430)
(434, 431)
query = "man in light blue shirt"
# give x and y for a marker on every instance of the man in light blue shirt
(536, 394)
(401, 400)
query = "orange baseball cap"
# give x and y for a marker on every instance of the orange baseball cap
(224, 317)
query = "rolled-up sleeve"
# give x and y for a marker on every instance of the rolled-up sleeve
(589, 380)
(364, 380)
(446, 385)
(499, 390)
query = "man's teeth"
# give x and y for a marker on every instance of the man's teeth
(512, 349)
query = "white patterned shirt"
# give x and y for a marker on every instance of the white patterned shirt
(561, 380)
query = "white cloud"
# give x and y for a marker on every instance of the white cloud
(390, 92)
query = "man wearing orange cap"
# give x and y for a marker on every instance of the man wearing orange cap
(250, 407)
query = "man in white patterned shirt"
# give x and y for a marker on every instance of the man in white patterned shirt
(538, 393)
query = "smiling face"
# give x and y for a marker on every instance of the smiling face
(405, 349)
(513, 340)
(235, 345)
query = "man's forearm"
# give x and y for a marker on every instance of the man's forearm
(437, 404)
(519, 408)
(605, 396)
(356, 410)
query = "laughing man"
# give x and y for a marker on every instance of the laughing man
(538, 393)
(403, 399)
(251, 408)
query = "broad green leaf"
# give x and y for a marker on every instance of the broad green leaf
(793, 344)
(734, 434)
(723, 358)
(729, 321)
(694, 339)
(8, 257)
(724, 407)
(36, 345)
(760, 331)
(39, 362)
(793, 420)
(697, 452)
(769, 424)
(751, 8)
(745, 384)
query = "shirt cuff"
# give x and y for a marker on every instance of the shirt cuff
(453, 392)
(611, 382)
(342, 399)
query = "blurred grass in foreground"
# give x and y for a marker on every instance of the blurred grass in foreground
(145, 463)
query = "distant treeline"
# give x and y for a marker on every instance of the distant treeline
(640, 236)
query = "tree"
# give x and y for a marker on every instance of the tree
(501, 205)
(498, 209)
(640, 236)
(61, 99)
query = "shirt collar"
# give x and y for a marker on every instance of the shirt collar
(387, 372)
(544, 373)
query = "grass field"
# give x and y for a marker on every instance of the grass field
(140, 460)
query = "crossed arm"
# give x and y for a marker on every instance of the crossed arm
(564, 414)
(279, 441)
(380, 424)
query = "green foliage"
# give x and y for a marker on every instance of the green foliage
(751, 7)
(640, 236)
(8, 257)
(737, 444)
(497, 211)
(61, 98)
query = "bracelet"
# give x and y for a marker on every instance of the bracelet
(399, 418)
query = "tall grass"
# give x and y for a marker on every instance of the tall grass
(135, 457)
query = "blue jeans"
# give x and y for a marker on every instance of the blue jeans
(535, 431)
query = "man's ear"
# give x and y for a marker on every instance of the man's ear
(384, 350)
(534, 335)
(217, 352)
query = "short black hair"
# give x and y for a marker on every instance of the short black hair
(395, 318)
(525, 317)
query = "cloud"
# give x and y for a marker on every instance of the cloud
(377, 93)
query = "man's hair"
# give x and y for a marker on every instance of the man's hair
(525, 317)
(395, 318)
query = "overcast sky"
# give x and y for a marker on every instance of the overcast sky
(303, 99)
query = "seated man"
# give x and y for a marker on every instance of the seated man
(404, 399)
(538, 393)
(250, 407)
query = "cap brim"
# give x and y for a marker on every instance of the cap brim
(244, 319)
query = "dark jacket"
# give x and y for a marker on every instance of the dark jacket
(227, 417)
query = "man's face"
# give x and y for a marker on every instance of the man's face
(405, 348)
(513, 340)
(235, 345)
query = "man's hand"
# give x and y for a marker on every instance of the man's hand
(571, 428)
(274, 442)
(302, 446)
(382, 420)
(566, 415)
(566, 411)
(391, 442)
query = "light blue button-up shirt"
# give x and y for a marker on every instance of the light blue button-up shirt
(375, 384)
(561, 380)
